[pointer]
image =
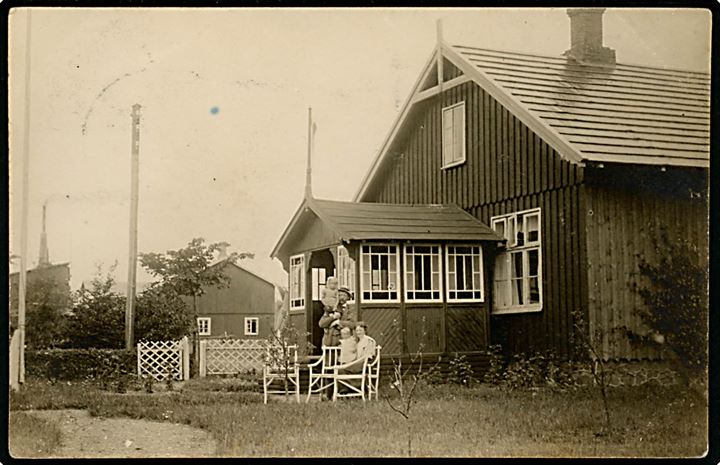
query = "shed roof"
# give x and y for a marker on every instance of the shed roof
(622, 113)
(353, 221)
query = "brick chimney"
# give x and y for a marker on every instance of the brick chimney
(586, 42)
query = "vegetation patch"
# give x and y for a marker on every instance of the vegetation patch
(29, 436)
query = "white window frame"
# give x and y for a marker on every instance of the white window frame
(248, 326)
(409, 251)
(451, 111)
(510, 224)
(481, 272)
(345, 271)
(397, 274)
(297, 302)
(200, 323)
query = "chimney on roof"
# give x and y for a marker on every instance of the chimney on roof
(222, 251)
(586, 37)
(44, 258)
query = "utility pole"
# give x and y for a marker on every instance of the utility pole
(132, 260)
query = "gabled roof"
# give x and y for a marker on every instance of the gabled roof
(621, 114)
(217, 261)
(354, 221)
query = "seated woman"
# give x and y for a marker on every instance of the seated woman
(365, 348)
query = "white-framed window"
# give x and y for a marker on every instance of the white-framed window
(518, 270)
(251, 326)
(423, 274)
(297, 282)
(453, 135)
(204, 328)
(379, 272)
(464, 273)
(346, 271)
(319, 277)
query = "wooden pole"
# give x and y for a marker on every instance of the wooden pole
(132, 259)
(22, 282)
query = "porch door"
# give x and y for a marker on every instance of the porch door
(322, 266)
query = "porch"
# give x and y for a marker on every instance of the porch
(419, 274)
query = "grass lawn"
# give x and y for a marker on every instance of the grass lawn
(31, 437)
(649, 421)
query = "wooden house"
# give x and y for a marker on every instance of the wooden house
(568, 166)
(245, 309)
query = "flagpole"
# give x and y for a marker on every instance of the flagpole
(308, 173)
(22, 282)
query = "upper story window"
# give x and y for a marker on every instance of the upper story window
(422, 273)
(518, 270)
(464, 273)
(251, 326)
(379, 265)
(297, 282)
(453, 135)
(203, 326)
(346, 271)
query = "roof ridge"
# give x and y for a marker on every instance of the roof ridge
(561, 58)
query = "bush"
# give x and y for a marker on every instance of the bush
(80, 364)
(538, 369)
(495, 374)
(461, 371)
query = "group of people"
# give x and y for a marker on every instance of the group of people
(339, 321)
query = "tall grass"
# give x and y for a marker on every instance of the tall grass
(448, 421)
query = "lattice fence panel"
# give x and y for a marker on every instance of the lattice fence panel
(233, 356)
(160, 359)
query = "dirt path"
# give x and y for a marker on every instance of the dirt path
(86, 436)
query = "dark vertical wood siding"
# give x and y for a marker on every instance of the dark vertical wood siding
(625, 211)
(384, 326)
(508, 168)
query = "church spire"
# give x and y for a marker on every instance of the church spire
(44, 258)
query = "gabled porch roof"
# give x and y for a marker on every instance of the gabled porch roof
(333, 222)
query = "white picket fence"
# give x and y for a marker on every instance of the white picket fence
(231, 356)
(162, 358)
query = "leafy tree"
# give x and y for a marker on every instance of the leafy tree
(676, 300)
(187, 270)
(98, 318)
(161, 315)
(47, 301)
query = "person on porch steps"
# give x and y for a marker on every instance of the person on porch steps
(344, 315)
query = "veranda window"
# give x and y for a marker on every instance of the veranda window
(346, 271)
(379, 272)
(422, 273)
(464, 273)
(297, 282)
(518, 270)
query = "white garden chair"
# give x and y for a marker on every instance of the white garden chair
(321, 372)
(353, 383)
(373, 374)
(277, 366)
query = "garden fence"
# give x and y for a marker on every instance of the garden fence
(159, 359)
(231, 356)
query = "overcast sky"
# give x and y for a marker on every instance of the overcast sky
(224, 97)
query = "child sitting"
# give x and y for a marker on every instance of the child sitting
(348, 346)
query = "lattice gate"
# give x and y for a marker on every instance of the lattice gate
(161, 359)
(231, 356)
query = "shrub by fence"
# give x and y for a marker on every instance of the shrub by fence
(79, 364)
